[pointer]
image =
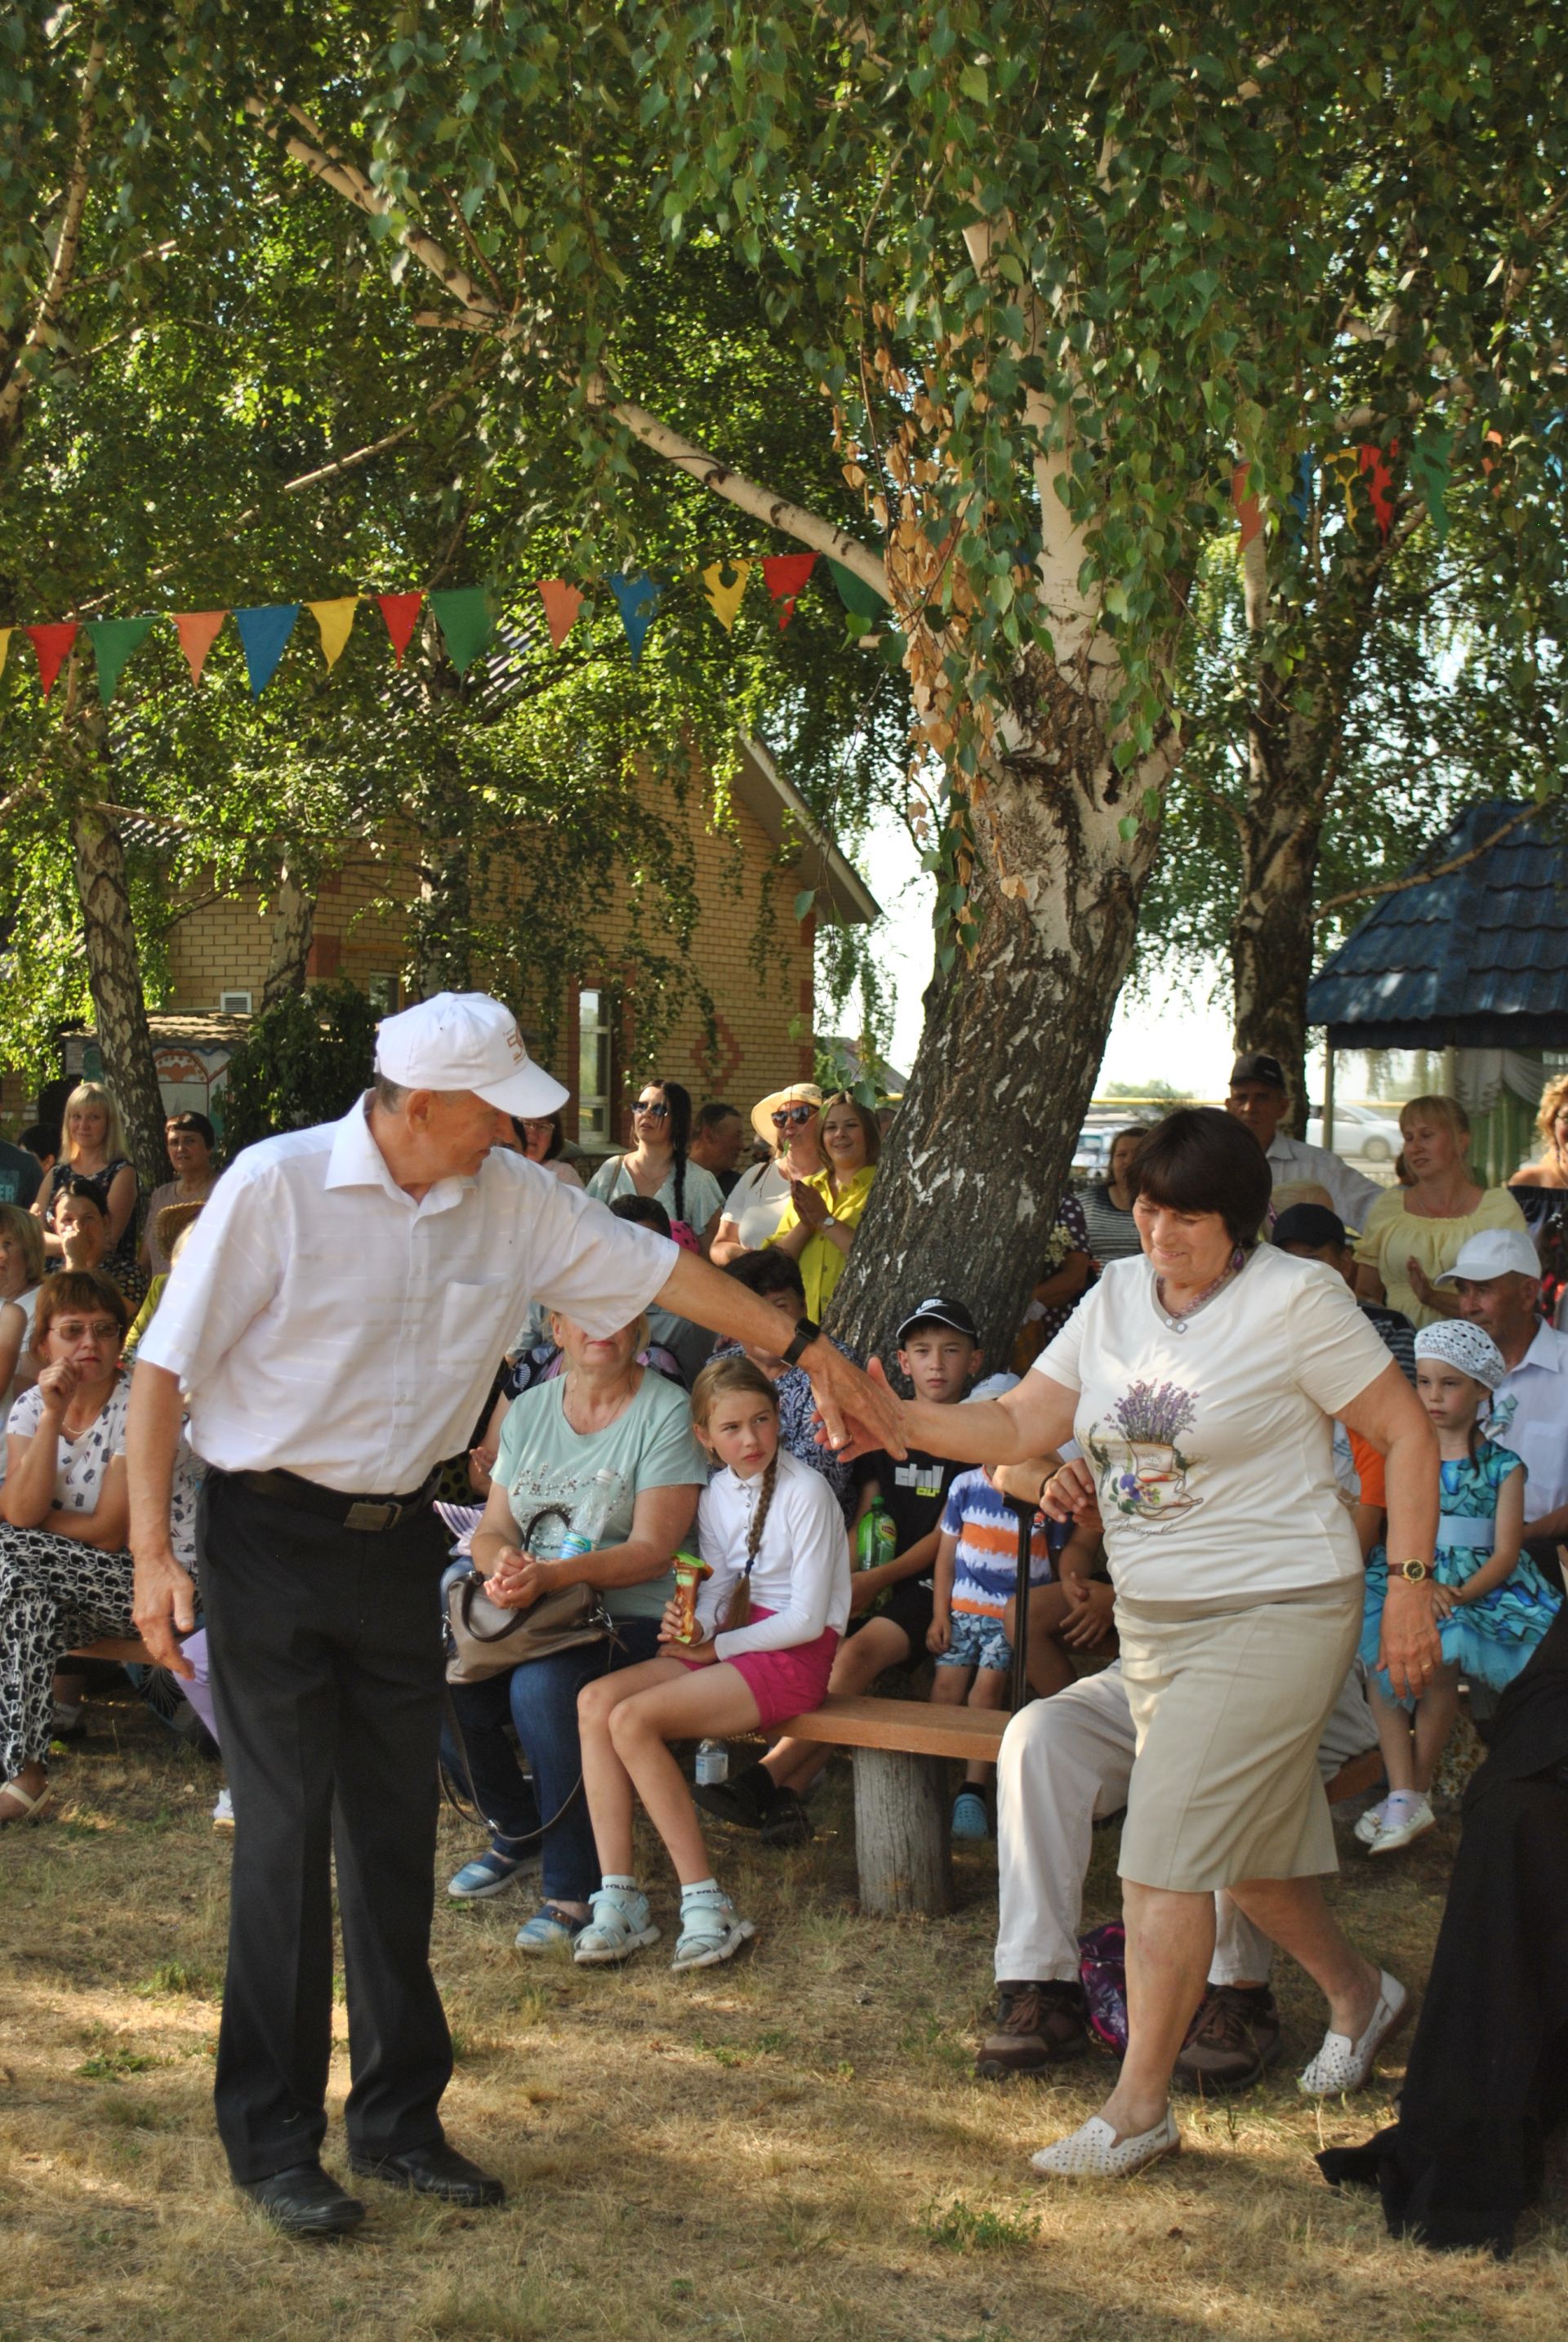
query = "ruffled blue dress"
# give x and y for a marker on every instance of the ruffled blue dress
(1493, 1639)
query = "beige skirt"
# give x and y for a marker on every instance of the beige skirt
(1227, 1713)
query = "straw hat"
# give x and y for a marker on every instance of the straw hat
(172, 1222)
(763, 1112)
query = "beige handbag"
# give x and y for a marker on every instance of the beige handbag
(483, 1639)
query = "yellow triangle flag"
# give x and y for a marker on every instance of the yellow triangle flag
(336, 619)
(724, 598)
(6, 635)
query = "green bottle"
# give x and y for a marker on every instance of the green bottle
(876, 1538)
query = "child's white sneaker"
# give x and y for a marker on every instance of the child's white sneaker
(1370, 1822)
(619, 1928)
(712, 1929)
(1399, 1827)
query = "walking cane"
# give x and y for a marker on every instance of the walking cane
(1025, 1513)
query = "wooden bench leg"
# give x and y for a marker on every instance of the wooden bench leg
(901, 1842)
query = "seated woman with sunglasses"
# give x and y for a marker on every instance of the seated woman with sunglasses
(655, 1164)
(790, 1122)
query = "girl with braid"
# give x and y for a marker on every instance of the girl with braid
(768, 1622)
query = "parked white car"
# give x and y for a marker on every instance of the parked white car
(1364, 1130)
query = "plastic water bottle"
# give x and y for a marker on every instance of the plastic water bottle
(876, 1539)
(713, 1764)
(592, 1517)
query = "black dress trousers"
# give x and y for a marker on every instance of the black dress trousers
(324, 1648)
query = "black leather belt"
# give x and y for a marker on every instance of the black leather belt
(372, 1514)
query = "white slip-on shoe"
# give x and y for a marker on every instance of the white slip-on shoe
(1392, 1835)
(1370, 1822)
(1342, 2064)
(1095, 2152)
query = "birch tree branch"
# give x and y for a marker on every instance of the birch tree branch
(67, 244)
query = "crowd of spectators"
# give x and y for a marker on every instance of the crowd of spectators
(823, 1575)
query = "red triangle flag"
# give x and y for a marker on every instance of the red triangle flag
(53, 645)
(401, 612)
(561, 602)
(785, 576)
(1248, 511)
(198, 630)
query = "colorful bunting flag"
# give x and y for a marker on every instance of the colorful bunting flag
(726, 585)
(198, 630)
(561, 602)
(263, 632)
(401, 612)
(1429, 471)
(1494, 439)
(785, 576)
(114, 640)
(861, 600)
(1300, 498)
(1380, 480)
(1249, 512)
(463, 614)
(6, 635)
(1345, 466)
(53, 645)
(637, 600)
(336, 622)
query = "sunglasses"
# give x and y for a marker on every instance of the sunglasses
(655, 1108)
(799, 1115)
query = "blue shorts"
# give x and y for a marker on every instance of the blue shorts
(977, 1642)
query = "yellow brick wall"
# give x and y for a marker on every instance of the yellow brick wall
(223, 946)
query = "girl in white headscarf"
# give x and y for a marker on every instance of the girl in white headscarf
(1493, 1604)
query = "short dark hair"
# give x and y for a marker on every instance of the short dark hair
(557, 1137)
(770, 1271)
(40, 1138)
(76, 1288)
(1201, 1159)
(643, 1212)
(189, 1119)
(80, 1191)
(709, 1116)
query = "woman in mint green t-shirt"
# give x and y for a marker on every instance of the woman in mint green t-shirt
(607, 1446)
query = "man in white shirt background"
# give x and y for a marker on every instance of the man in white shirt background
(332, 1325)
(1497, 1279)
(1260, 1100)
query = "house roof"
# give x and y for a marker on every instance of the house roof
(1474, 957)
(786, 820)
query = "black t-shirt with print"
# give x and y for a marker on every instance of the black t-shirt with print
(914, 1489)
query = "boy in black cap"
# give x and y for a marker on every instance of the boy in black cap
(939, 1351)
(1313, 1232)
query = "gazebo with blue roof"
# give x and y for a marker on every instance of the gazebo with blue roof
(1468, 958)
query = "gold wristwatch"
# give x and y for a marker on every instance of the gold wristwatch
(1414, 1572)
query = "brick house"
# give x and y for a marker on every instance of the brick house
(217, 956)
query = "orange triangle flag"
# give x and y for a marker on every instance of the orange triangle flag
(401, 612)
(198, 630)
(561, 602)
(785, 575)
(53, 645)
(1248, 511)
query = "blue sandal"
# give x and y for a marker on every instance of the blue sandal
(490, 1872)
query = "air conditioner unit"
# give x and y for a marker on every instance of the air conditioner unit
(234, 1004)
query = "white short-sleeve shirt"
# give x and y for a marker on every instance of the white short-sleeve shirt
(1211, 1440)
(756, 1204)
(325, 1322)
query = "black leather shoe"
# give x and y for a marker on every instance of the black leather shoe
(438, 2171)
(305, 2201)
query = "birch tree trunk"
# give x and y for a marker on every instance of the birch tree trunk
(115, 975)
(292, 925)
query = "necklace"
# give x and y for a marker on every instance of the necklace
(1178, 1320)
(570, 1402)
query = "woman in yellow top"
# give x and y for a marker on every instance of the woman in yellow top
(820, 1219)
(1413, 1233)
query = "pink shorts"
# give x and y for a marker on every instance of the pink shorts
(784, 1683)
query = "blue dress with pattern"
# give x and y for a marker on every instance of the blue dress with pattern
(1493, 1639)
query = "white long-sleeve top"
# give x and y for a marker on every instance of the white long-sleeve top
(802, 1570)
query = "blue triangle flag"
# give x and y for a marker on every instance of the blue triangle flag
(263, 632)
(637, 600)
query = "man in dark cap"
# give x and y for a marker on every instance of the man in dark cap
(1260, 1097)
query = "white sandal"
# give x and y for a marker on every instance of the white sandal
(32, 1809)
(1095, 2152)
(1342, 2064)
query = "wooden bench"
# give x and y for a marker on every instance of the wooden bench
(901, 1749)
(120, 1650)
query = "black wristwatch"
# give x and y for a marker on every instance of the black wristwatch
(804, 1335)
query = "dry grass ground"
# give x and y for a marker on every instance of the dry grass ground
(791, 2148)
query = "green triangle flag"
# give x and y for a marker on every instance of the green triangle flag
(463, 614)
(114, 640)
(861, 600)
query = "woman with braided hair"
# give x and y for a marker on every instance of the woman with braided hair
(768, 1620)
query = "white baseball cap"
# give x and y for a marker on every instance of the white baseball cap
(1495, 1252)
(466, 1041)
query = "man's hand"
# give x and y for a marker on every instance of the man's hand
(1091, 1604)
(164, 1606)
(1410, 1648)
(857, 1413)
